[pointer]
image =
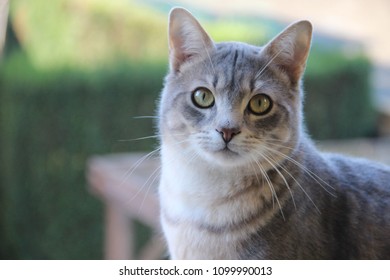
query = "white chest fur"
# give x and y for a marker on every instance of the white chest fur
(201, 209)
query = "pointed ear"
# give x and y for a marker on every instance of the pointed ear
(187, 38)
(290, 49)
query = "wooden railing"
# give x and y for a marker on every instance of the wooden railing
(121, 182)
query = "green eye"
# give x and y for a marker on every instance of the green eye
(260, 104)
(203, 98)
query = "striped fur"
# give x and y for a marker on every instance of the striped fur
(266, 193)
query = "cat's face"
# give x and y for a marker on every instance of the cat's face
(232, 104)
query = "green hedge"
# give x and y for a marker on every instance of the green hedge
(338, 101)
(52, 122)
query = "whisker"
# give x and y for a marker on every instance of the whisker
(151, 137)
(153, 176)
(291, 148)
(146, 117)
(314, 176)
(258, 74)
(209, 57)
(281, 175)
(138, 139)
(271, 186)
(257, 177)
(131, 170)
(299, 185)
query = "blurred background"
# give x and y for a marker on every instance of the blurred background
(75, 73)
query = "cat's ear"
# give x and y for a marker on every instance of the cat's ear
(290, 49)
(187, 38)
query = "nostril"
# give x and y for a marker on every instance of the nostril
(228, 133)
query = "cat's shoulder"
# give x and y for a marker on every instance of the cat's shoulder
(345, 161)
(359, 170)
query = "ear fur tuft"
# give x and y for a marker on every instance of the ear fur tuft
(187, 38)
(290, 49)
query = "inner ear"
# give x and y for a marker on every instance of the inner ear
(290, 49)
(187, 39)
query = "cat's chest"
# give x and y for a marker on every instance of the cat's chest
(190, 193)
(189, 205)
(197, 192)
(186, 241)
(206, 214)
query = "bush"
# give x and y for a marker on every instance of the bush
(86, 33)
(338, 96)
(50, 124)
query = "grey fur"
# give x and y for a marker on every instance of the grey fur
(286, 199)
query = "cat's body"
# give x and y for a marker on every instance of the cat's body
(240, 177)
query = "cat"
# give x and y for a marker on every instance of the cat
(240, 176)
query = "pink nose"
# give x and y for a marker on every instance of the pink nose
(228, 133)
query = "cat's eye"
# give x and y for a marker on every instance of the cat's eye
(203, 98)
(260, 104)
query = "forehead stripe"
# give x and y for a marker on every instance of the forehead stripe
(232, 81)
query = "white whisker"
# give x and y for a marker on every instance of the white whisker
(314, 176)
(132, 169)
(153, 177)
(271, 186)
(258, 74)
(138, 139)
(156, 136)
(146, 117)
(209, 57)
(300, 186)
(257, 177)
(155, 174)
(281, 175)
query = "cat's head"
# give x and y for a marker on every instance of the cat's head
(231, 104)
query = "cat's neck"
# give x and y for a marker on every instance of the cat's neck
(200, 184)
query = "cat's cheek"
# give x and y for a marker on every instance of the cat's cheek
(174, 125)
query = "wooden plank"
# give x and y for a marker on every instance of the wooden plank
(119, 235)
(117, 179)
(127, 184)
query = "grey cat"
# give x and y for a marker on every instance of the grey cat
(240, 177)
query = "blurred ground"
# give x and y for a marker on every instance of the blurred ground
(372, 149)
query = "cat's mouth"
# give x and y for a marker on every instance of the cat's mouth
(226, 151)
(227, 157)
(226, 154)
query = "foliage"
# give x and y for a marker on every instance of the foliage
(51, 123)
(87, 33)
(338, 96)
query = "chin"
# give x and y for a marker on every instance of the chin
(226, 158)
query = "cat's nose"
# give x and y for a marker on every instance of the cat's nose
(228, 133)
